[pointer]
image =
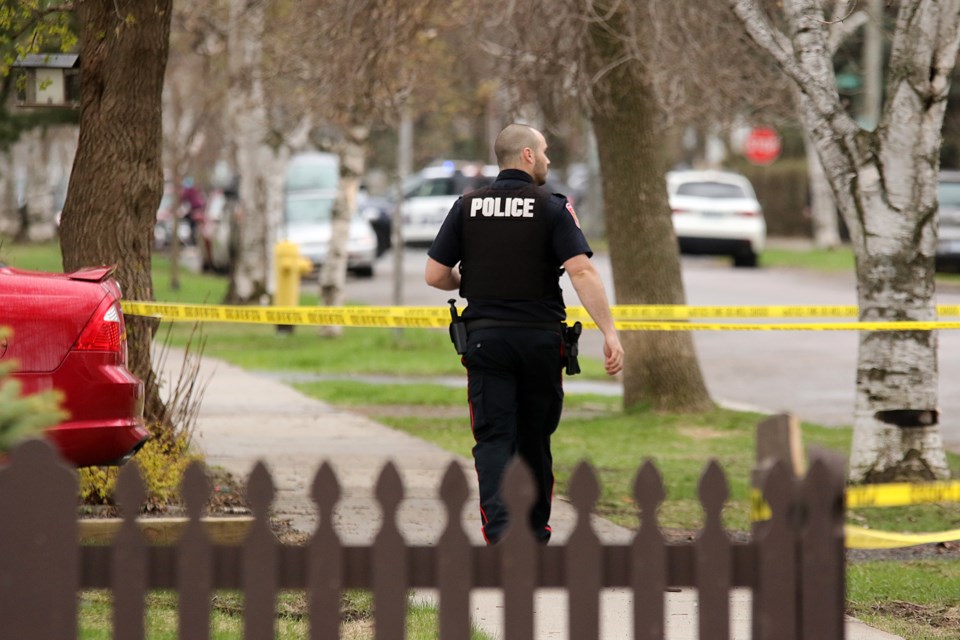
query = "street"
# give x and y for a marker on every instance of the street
(808, 373)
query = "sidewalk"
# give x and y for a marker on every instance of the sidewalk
(247, 417)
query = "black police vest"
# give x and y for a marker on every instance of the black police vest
(506, 245)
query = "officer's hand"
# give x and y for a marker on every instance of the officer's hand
(613, 354)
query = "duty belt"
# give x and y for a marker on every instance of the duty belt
(474, 325)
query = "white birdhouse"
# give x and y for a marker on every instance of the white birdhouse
(50, 80)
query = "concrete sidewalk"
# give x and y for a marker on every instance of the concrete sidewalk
(247, 417)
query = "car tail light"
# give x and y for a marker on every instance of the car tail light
(106, 330)
(676, 211)
(748, 214)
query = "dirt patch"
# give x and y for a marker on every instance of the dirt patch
(939, 617)
(947, 550)
(701, 433)
(227, 498)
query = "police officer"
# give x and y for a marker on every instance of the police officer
(503, 246)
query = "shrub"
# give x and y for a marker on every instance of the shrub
(162, 461)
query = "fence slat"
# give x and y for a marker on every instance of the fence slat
(389, 560)
(454, 566)
(128, 562)
(518, 553)
(260, 560)
(822, 549)
(194, 558)
(714, 566)
(325, 575)
(775, 598)
(648, 556)
(584, 558)
(39, 562)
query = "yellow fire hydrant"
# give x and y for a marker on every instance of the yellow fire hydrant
(289, 267)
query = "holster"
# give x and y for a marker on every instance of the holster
(458, 329)
(571, 349)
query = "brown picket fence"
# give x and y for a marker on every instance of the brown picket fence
(793, 564)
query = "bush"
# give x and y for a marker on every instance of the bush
(162, 461)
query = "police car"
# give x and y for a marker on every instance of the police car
(717, 213)
(427, 198)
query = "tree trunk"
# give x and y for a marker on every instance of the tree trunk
(117, 178)
(823, 213)
(885, 185)
(661, 368)
(260, 158)
(333, 275)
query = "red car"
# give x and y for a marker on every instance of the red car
(67, 333)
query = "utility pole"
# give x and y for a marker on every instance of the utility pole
(873, 65)
(404, 168)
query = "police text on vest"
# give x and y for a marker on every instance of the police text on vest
(502, 207)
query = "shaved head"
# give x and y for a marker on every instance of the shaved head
(513, 140)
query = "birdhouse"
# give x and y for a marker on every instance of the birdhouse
(48, 80)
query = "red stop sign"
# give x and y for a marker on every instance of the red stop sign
(762, 146)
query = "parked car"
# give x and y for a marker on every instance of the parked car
(717, 213)
(948, 237)
(68, 334)
(307, 219)
(310, 190)
(427, 198)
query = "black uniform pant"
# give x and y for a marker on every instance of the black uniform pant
(516, 395)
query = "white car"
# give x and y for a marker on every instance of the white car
(307, 223)
(948, 217)
(428, 197)
(717, 213)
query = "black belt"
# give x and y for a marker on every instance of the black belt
(473, 325)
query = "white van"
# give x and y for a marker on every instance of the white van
(310, 190)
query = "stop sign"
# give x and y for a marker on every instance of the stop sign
(762, 146)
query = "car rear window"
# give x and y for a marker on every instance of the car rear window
(710, 190)
(434, 187)
(949, 194)
(308, 210)
(312, 174)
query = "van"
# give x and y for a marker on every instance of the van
(310, 190)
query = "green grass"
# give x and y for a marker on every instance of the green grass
(226, 620)
(916, 600)
(834, 260)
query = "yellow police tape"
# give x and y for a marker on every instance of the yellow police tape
(628, 317)
(896, 494)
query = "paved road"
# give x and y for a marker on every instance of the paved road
(811, 374)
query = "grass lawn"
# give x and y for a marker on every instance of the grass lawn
(226, 620)
(594, 428)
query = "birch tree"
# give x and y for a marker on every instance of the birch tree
(193, 99)
(884, 183)
(355, 63)
(259, 152)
